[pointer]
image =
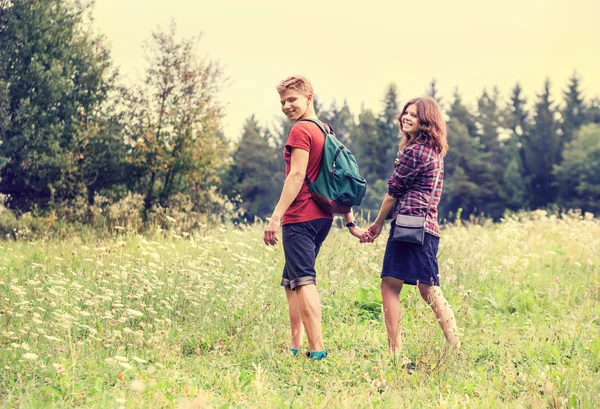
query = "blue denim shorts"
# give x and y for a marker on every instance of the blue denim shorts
(301, 244)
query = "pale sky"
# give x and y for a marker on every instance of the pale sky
(353, 50)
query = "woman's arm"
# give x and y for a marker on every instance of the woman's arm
(386, 207)
(291, 188)
(407, 167)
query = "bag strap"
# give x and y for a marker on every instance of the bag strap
(433, 192)
(321, 127)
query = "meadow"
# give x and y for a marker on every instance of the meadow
(172, 319)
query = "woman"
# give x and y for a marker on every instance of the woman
(305, 224)
(420, 159)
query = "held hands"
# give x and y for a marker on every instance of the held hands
(360, 234)
(368, 236)
(270, 233)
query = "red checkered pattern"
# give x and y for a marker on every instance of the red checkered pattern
(412, 183)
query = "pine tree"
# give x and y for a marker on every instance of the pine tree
(342, 121)
(516, 117)
(461, 113)
(433, 92)
(469, 180)
(387, 123)
(488, 121)
(370, 150)
(255, 174)
(578, 175)
(541, 150)
(574, 111)
(593, 113)
(515, 180)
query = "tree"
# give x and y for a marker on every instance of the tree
(54, 77)
(593, 114)
(387, 122)
(461, 113)
(578, 176)
(515, 180)
(574, 112)
(370, 151)
(488, 122)
(342, 122)
(503, 148)
(516, 117)
(469, 181)
(256, 174)
(541, 150)
(433, 92)
(175, 120)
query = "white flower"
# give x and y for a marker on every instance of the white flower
(125, 365)
(138, 386)
(30, 356)
(134, 313)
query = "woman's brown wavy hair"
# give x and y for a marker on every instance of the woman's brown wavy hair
(432, 127)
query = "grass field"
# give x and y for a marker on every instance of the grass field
(194, 321)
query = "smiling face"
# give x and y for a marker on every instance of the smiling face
(295, 104)
(409, 122)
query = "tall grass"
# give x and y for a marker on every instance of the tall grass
(198, 320)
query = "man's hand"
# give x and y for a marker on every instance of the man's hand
(270, 234)
(360, 234)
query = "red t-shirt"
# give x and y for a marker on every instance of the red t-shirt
(309, 137)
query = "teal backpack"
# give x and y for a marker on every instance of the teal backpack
(338, 186)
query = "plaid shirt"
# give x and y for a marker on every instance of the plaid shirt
(412, 183)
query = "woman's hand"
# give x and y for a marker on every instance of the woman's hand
(375, 230)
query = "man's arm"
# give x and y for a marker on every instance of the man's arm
(291, 188)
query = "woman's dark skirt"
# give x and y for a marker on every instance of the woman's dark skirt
(412, 263)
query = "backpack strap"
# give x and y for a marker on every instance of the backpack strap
(321, 127)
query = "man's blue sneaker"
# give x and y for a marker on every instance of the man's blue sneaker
(294, 351)
(316, 355)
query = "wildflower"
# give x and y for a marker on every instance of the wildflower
(51, 338)
(138, 386)
(134, 313)
(30, 356)
(125, 365)
(58, 368)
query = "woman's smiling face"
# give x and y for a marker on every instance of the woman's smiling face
(409, 123)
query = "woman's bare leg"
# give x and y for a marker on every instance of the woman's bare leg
(443, 311)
